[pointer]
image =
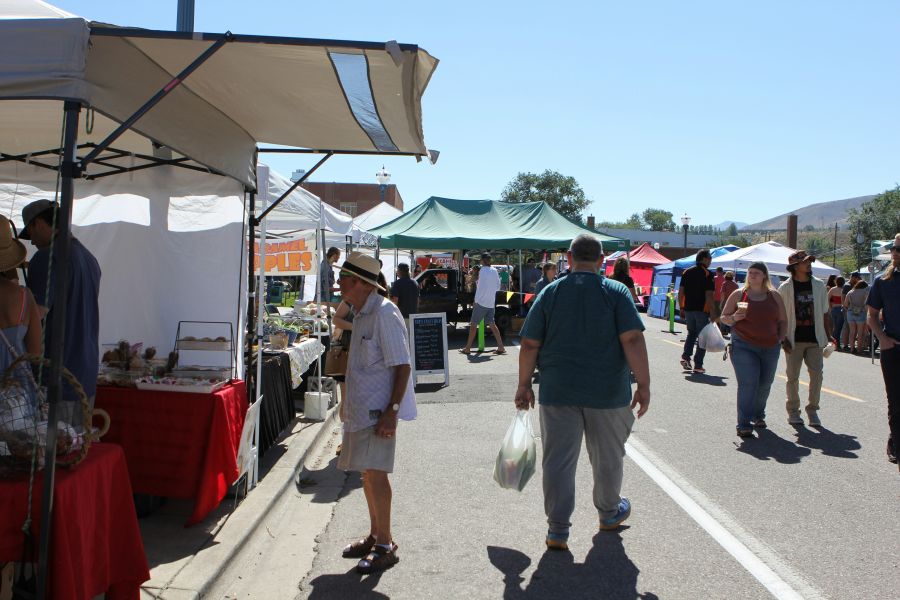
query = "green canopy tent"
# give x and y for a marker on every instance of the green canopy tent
(447, 224)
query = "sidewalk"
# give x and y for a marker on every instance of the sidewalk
(186, 563)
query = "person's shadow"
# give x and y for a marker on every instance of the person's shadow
(714, 380)
(768, 446)
(606, 572)
(829, 442)
(349, 585)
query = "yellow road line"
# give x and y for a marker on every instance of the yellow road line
(825, 389)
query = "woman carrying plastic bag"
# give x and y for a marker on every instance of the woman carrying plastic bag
(518, 454)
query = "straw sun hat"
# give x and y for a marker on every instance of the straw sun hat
(363, 267)
(12, 251)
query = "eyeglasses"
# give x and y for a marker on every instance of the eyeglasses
(345, 276)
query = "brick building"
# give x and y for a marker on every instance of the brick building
(355, 198)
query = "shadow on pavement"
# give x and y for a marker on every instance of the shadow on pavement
(429, 388)
(768, 446)
(715, 380)
(606, 572)
(349, 585)
(318, 482)
(829, 442)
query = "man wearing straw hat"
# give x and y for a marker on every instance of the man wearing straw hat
(884, 298)
(379, 392)
(81, 354)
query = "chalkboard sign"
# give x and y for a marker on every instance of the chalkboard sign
(428, 345)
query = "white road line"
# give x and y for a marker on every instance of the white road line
(761, 562)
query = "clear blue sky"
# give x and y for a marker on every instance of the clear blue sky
(721, 109)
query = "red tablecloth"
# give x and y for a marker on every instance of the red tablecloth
(178, 445)
(95, 540)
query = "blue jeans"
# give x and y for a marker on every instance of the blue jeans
(695, 320)
(837, 320)
(754, 368)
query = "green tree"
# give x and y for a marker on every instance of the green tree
(658, 219)
(634, 222)
(559, 191)
(731, 231)
(879, 218)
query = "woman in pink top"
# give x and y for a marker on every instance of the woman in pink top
(759, 323)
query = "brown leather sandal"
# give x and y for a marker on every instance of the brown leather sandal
(378, 559)
(359, 548)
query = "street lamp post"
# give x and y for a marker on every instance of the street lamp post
(685, 223)
(383, 177)
(860, 238)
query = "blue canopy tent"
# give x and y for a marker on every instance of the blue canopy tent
(669, 275)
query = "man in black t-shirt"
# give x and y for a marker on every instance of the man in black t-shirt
(405, 292)
(695, 297)
(809, 330)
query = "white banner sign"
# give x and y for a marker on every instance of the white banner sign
(289, 256)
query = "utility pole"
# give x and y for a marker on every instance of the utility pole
(185, 20)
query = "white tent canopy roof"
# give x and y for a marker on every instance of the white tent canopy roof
(330, 94)
(376, 216)
(773, 254)
(301, 209)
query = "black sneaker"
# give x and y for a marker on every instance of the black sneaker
(686, 364)
(891, 452)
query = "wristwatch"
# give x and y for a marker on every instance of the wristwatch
(394, 407)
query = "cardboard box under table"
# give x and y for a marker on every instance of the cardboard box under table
(177, 444)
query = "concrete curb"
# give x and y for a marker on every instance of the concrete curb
(199, 578)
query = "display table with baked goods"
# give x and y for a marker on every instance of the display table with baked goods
(283, 371)
(95, 543)
(178, 444)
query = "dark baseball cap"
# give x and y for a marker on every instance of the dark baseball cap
(486, 255)
(31, 211)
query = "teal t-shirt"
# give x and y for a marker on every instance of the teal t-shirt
(578, 320)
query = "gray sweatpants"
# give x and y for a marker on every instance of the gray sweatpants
(605, 432)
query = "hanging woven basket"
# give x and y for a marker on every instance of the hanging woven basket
(21, 447)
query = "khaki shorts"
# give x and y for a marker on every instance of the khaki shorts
(363, 450)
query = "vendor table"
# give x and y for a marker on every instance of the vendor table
(95, 544)
(177, 444)
(281, 373)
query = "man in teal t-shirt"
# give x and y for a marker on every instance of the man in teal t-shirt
(584, 333)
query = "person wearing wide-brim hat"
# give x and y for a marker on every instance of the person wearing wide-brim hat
(20, 319)
(884, 300)
(809, 330)
(379, 392)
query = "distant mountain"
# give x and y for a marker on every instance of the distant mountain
(726, 224)
(819, 215)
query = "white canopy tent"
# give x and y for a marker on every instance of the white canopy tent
(773, 254)
(376, 216)
(87, 101)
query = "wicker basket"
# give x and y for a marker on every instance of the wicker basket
(21, 459)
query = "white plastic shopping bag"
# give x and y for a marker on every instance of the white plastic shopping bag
(518, 454)
(711, 339)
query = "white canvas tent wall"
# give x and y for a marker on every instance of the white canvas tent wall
(773, 254)
(165, 255)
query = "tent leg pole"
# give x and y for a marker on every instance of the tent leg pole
(58, 332)
(251, 293)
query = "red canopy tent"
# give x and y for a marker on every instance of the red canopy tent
(643, 259)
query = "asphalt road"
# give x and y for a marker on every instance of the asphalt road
(792, 513)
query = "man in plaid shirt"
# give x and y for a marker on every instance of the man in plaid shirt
(379, 392)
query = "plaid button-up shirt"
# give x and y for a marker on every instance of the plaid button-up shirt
(380, 342)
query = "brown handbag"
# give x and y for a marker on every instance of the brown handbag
(336, 361)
